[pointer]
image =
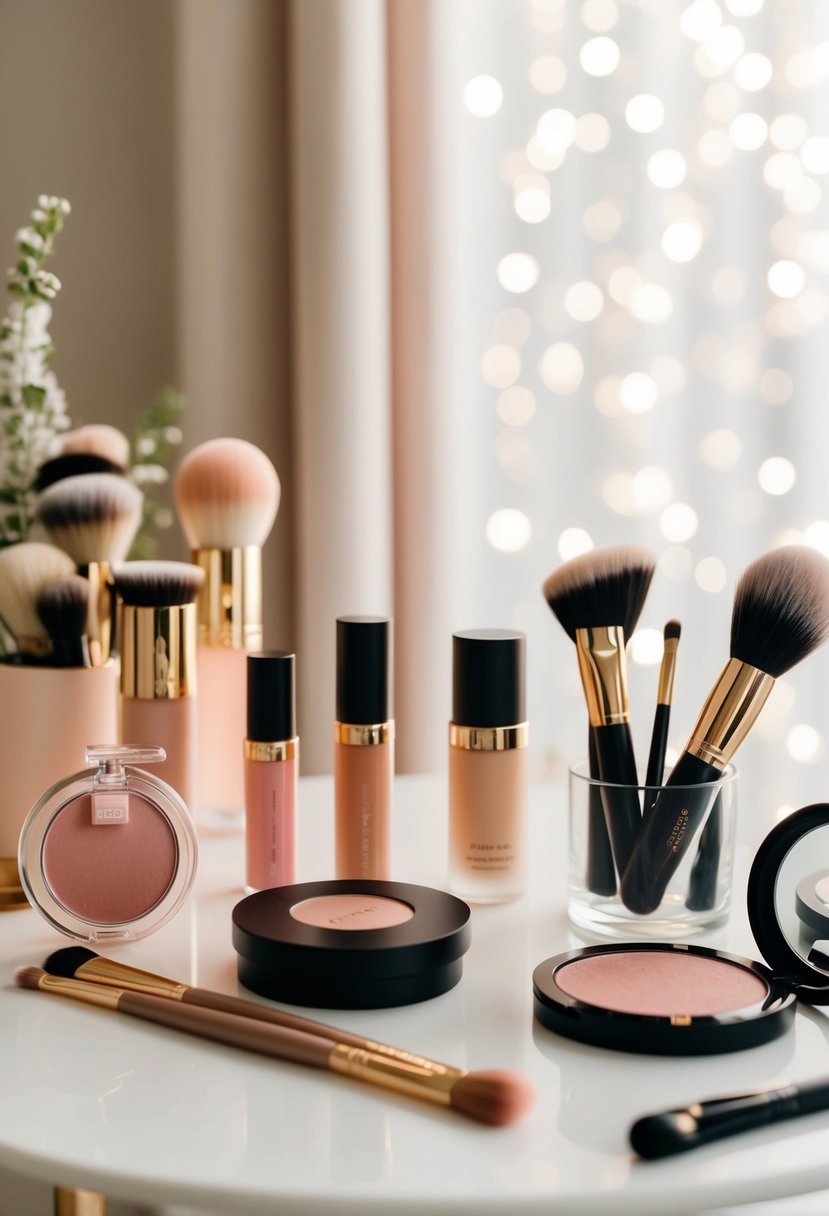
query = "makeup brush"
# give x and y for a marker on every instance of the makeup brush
(781, 614)
(98, 439)
(597, 597)
(497, 1097)
(26, 570)
(72, 465)
(662, 717)
(62, 608)
(158, 664)
(94, 517)
(227, 494)
(676, 1131)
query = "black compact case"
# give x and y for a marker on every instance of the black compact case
(287, 960)
(789, 976)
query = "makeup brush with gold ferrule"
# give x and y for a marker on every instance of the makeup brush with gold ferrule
(26, 570)
(662, 716)
(94, 517)
(781, 614)
(497, 1097)
(597, 598)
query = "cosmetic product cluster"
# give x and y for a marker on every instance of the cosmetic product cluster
(163, 663)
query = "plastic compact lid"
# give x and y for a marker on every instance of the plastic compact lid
(350, 943)
(808, 982)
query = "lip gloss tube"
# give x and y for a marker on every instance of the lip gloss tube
(363, 748)
(271, 769)
(488, 766)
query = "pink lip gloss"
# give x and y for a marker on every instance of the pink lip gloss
(271, 770)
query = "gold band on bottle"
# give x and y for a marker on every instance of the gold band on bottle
(603, 670)
(116, 975)
(730, 712)
(363, 736)
(489, 738)
(667, 670)
(158, 652)
(286, 749)
(399, 1071)
(79, 1203)
(230, 601)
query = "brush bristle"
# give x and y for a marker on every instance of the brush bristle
(227, 495)
(26, 570)
(497, 1096)
(72, 465)
(781, 609)
(604, 587)
(66, 962)
(62, 607)
(673, 629)
(158, 584)
(28, 977)
(94, 517)
(98, 439)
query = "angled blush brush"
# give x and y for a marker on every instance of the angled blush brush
(597, 598)
(497, 1097)
(781, 614)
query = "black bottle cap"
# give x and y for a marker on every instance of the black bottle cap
(363, 679)
(271, 696)
(489, 677)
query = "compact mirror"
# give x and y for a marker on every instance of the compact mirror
(788, 901)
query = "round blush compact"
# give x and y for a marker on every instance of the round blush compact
(669, 999)
(350, 943)
(109, 854)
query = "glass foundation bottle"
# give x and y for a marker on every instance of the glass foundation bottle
(488, 766)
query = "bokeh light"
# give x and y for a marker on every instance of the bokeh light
(518, 272)
(776, 475)
(483, 96)
(573, 542)
(508, 530)
(562, 367)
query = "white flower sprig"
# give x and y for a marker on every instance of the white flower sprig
(32, 405)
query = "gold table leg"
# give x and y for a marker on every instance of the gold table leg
(79, 1203)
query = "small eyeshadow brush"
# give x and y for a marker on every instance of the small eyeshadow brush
(495, 1097)
(662, 716)
(676, 1131)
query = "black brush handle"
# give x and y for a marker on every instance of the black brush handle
(601, 873)
(617, 765)
(656, 757)
(676, 1131)
(675, 816)
(702, 884)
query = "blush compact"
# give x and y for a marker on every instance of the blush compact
(680, 999)
(109, 854)
(350, 943)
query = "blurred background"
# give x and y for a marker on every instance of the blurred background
(491, 281)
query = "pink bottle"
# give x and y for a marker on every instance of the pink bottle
(271, 769)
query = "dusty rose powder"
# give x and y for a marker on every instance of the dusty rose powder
(652, 983)
(114, 873)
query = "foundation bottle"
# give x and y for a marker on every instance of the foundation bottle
(363, 748)
(488, 766)
(271, 751)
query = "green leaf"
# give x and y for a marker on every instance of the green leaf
(33, 396)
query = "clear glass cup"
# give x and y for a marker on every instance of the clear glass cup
(698, 895)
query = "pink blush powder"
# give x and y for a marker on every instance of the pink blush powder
(352, 912)
(656, 984)
(113, 873)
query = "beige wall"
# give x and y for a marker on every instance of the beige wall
(164, 124)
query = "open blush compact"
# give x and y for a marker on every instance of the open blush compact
(681, 999)
(350, 943)
(109, 854)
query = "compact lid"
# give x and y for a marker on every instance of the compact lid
(791, 850)
(489, 677)
(363, 683)
(271, 696)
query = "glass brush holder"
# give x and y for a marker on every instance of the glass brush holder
(698, 893)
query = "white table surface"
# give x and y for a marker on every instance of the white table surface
(89, 1099)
